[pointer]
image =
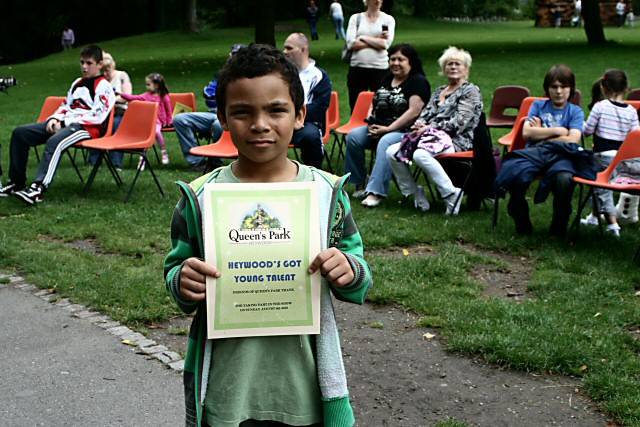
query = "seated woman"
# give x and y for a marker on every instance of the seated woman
(446, 125)
(396, 105)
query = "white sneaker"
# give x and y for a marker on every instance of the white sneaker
(359, 194)
(590, 219)
(141, 164)
(613, 229)
(420, 202)
(372, 201)
(165, 157)
(453, 202)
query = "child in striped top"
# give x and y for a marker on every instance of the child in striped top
(609, 122)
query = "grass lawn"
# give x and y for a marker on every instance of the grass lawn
(108, 255)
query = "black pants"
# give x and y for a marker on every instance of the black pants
(361, 79)
(562, 187)
(27, 136)
(309, 140)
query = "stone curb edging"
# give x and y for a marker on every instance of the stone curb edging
(144, 346)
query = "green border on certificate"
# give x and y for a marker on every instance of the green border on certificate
(262, 238)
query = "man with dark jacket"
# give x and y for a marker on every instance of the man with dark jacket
(317, 92)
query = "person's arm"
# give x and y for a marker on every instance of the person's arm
(352, 35)
(534, 131)
(384, 40)
(166, 106)
(469, 106)
(350, 250)
(592, 121)
(126, 85)
(129, 97)
(405, 120)
(184, 276)
(321, 95)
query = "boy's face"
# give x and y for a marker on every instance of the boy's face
(89, 67)
(261, 117)
(559, 93)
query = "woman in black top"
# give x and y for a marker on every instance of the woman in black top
(396, 105)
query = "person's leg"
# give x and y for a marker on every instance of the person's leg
(435, 171)
(357, 141)
(55, 147)
(343, 36)
(381, 173)
(518, 209)
(401, 171)
(22, 139)
(336, 22)
(187, 125)
(374, 78)
(356, 83)
(562, 187)
(309, 140)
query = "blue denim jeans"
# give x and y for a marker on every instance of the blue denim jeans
(338, 22)
(357, 142)
(189, 125)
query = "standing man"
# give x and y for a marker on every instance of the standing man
(335, 10)
(83, 115)
(317, 94)
(621, 12)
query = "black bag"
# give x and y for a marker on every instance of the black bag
(346, 52)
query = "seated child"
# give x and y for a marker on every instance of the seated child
(157, 91)
(610, 120)
(552, 130)
(283, 379)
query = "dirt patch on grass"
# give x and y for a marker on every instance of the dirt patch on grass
(507, 281)
(172, 333)
(398, 378)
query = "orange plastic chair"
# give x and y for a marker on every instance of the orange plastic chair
(505, 97)
(136, 134)
(222, 149)
(634, 95)
(629, 149)
(360, 112)
(523, 111)
(332, 122)
(186, 98)
(50, 105)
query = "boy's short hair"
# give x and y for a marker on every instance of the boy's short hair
(562, 74)
(92, 51)
(257, 60)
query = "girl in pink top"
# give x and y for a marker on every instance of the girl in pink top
(157, 91)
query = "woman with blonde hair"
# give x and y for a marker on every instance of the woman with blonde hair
(445, 125)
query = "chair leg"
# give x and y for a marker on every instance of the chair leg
(73, 163)
(93, 173)
(575, 226)
(135, 178)
(113, 170)
(156, 153)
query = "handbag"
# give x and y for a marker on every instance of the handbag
(346, 52)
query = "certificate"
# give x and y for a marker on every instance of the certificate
(262, 239)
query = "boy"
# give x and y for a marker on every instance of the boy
(83, 115)
(260, 381)
(552, 130)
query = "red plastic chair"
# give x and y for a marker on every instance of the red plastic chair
(50, 105)
(332, 122)
(222, 149)
(505, 97)
(629, 149)
(186, 98)
(136, 134)
(523, 111)
(360, 112)
(634, 95)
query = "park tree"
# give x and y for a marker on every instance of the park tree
(592, 22)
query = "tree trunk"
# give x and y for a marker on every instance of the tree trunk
(420, 8)
(192, 16)
(592, 22)
(265, 22)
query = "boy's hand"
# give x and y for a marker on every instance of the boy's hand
(334, 266)
(535, 122)
(193, 279)
(53, 126)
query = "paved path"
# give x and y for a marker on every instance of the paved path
(58, 370)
